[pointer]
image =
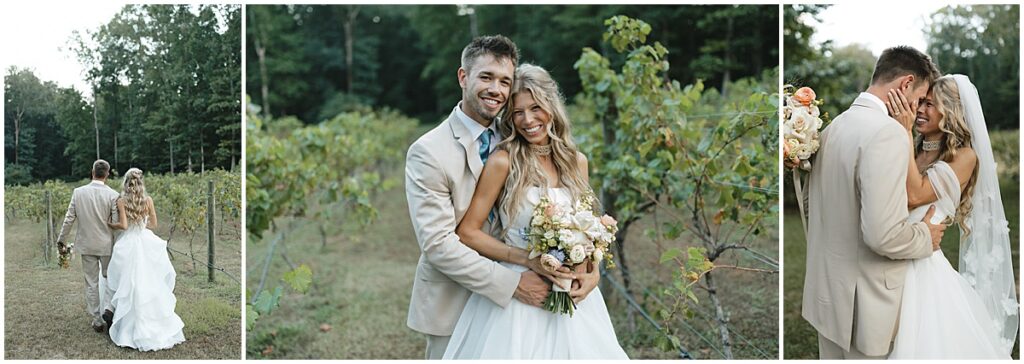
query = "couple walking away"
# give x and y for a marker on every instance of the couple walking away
(137, 305)
(877, 284)
(472, 184)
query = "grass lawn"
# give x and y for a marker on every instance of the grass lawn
(44, 308)
(801, 341)
(363, 278)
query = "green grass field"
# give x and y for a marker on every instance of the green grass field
(801, 340)
(44, 308)
(363, 278)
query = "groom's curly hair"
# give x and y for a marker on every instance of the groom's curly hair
(901, 60)
(498, 46)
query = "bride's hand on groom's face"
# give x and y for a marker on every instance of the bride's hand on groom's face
(901, 109)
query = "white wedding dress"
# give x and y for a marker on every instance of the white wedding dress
(941, 315)
(973, 313)
(142, 277)
(520, 331)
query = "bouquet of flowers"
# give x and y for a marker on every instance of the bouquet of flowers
(802, 123)
(801, 126)
(563, 235)
(64, 255)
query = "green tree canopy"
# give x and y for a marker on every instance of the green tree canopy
(164, 97)
(406, 57)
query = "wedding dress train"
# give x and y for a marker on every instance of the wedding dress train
(142, 277)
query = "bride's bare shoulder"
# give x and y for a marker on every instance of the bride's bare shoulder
(964, 163)
(500, 158)
(966, 152)
(965, 156)
(581, 158)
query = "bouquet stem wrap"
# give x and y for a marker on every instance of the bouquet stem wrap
(798, 187)
(566, 281)
(559, 300)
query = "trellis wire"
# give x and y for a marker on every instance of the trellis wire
(683, 353)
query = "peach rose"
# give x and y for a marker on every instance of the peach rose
(549, 262)
(550, 211)
(804, 95)
(608, 221)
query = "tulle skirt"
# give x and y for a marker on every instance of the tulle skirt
(142, 276)
(942, 317)
(520, 331)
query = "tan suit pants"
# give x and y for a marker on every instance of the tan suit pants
(436, 346)
(92, 266)
(828, 350)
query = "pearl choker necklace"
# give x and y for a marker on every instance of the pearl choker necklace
(541, 150)
(929, 146)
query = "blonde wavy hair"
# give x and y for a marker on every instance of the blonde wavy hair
(133, 193)
(524, 169)
(955, 135)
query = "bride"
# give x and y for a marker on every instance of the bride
(537, 158)
(141, 275)
(946, 315)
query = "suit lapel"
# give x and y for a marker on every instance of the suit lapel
(463, 137)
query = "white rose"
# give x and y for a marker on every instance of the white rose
(802, 125)
(565, 236)
(579, 238)
(598, 255)
(594, 232)
(577, 254)
(589, 224)
(549, 234)
(805, 151)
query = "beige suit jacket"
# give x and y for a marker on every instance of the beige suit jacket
(441, 172)
(92, 206)
(859, 240)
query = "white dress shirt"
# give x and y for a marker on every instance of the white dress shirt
(476, 129)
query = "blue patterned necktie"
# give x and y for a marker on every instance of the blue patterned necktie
(485, 145)
(485, 151)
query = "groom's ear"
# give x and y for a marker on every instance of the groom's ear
(462, 77)
(907, 81)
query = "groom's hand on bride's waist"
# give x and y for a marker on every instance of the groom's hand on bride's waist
(532, 289)
(936, 230)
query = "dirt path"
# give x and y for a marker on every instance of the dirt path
(45, 316)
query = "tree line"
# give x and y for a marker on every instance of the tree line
(980, 41)
(164, 96)
(315, 61)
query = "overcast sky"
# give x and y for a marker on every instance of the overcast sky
(876, 26)
(35, 35)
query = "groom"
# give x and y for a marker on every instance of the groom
(859, 241)
(93, 205)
